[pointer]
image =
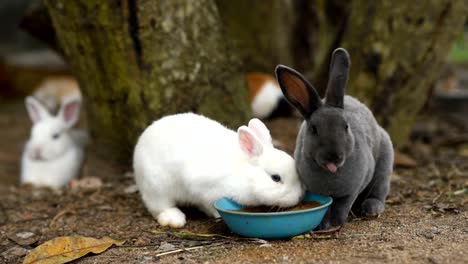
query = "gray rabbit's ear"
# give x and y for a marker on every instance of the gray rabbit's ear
(297, 90)
(339, 71)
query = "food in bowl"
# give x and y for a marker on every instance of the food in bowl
(265, 209)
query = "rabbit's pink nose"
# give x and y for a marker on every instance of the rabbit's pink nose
(37, 153)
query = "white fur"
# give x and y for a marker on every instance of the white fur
(53, 173)
(188, 159)
(48, 161)
(266, 100)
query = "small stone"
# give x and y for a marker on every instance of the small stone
(25, 235)
(435, 230)
(429, 235)
(142, 241)
(131, 189)
(105, 208)
(6, 241)
(166, 247)
(404, 160)
(25, 238)
(13, 253)
(86, 183)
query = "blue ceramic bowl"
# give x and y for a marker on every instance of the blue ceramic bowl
(273, 225)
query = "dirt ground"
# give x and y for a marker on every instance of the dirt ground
(426, 220)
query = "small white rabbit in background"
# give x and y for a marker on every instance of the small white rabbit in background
(188, 159)
(266, 99)
(53, 91)
(52, 157)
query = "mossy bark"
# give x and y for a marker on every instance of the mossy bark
(296, 33)
(260, 31)
(398, 49)
(137, 60)
(318, 28)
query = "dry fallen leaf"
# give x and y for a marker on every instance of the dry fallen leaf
(303, 236)
(404, 160)
(87, 183)
(68, 248)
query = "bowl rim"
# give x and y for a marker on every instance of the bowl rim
(235, 212)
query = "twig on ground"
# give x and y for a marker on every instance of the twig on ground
(186, 234)
(434, 200)
(362, 234)
(178, 250)
(63, 212)
(187, 249)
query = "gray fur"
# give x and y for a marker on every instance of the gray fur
(363, 152)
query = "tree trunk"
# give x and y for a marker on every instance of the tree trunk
(398, 49)
(260, 31)
(317, 29)
(296, 33)
(137, 60)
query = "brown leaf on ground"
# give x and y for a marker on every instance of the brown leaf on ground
(68, 248)
(443, 208)
(404, 160)
(86, 183)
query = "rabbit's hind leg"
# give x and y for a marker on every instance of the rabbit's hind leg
(164, 209)
(378, 188)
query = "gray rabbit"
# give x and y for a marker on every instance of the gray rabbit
(341, 151)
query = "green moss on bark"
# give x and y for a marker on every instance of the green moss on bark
(397, 50)
(260, 32)
(139, 60)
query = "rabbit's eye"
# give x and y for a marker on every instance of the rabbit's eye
(276, 178)
(56, 135)
(314, 130)
(346, 127)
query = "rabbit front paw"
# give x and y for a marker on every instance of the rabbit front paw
(172, 217)
(372, 207)
(324, 225)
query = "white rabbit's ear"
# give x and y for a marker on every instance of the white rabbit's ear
(70, 112)
(262, 132)
(36, 110)
(249, 142)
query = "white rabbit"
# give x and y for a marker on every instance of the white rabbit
(188, 159)
(51, 157)
(266, 99)
(55, 90)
